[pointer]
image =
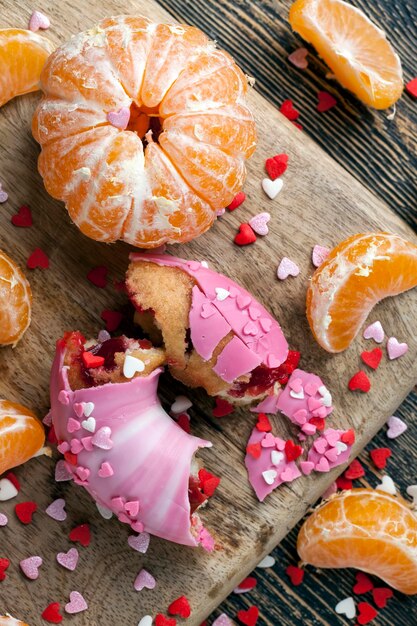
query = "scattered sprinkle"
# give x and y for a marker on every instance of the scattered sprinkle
(287, 268)
(162, 620)
(299, 58)
(3, 519)
(396, 349)
(132, 366)
(412, 491)
(51, 613)
(180, 607)
(381, 595)
(119, 119)
(411, 87)
(366, 613)
(30, 567)
(222, 408)
(56, 510)
(23, 218)
(181, 404)
(38, 21)
(25, 511)
(4, 196)
(69, 559)
(140, 542)
(146, 621)
(344, 483)
(91, 360)
(272, 187)
(38, 258)
(259, 223)
(249, 617)
(246, 585)
(396, 427)
(98, 276)
(222, 620)
(372, 358)
(296, 574)
(287, 109)
(319, 255)
(237, 201)
(77, 603)
(112, 319)
(355, 470)
(7, 490)
(346, 607)
(81, 534)
(245, 235)
(144, 580)
(263, 423)
(374, 331)
(267, 561)
(276, 166)
(387, 485)
(363, 583)
(379, 457)
(326, 101)
(360, 382)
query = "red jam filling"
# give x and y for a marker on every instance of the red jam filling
(263, 378)
(195, 495)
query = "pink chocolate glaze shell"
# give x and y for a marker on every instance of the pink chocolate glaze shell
(150, 454)
(258, 336)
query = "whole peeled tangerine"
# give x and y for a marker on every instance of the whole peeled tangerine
(144, 131)
(216, 334)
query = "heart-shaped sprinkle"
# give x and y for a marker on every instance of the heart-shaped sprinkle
(332, 437)
(296, 574)
(396, 427)
(411, 87)
(52, 614)
(7, 490)
(250, 329)
(207, 310)
(308, 428)
(237, 201)
(272, 187)
(140, 542)
(311, 388)
(276, 457)
(73, 425)
(319, 255)
(289, 474)
(81, 534)
(63, 398)
(322, 465)
(77, 603)
(98, 276)
(412, 491)
(267, 561)
(254, 313)
(243, 301)
(106, 470)
(76, 446)
(287, 268)
(25, 511)
(269, 476)
(263, 424)
(119, 119)
(112, 319)
(346, 607)
(23, 218)
(299, 58)
(78, 409)
(366, 613)
(63, 447)
(326, 101)
(296, 384)
(69, 559)
(348, 437)
(292, 451)
(249, 617)
(374, 331)
(355, 470)
(30, 567)
(331, 455)
(297, 395)
(38, 258)
(89, 424)
(104, 511)
(395, 349)
(280, 443)
(88, 408)
(259, 223)
(146, 621)
(137, 526)
(162, 620)
(363, 583)
(276, 166)
(268, 441)
(132, 365)
(180, 607)
(245, 235)
(56, 510)
(379, 457)
(3, 520)
(372, 358)
(181, 404)
(320, 445)
(221, 294)
(132, 507)
(4, 196)
(254, 450)
(91, 360)
(38, 21)
(306, 467)
(300, 416)
(287, 109)
(87, 443)
(381, 595)
(144, 580)
(359, 382)
(387, 485)
(265, 324)
(341, 447)
(327, 401)
(101, 438)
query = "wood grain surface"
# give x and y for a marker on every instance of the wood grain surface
(320, 202)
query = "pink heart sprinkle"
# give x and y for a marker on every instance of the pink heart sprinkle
(254, 313)
(56, 510)
(222, 620)
(144, 580)
(322, 465)
(118, 503)
(82, 472)
(76, 603)
(288, 474)
(268, 441)
(122, 517)
(137, 526)
(311, 388)
(207, 310)
(250, 329)
(140, 542)
(132, 507)
(300, 416)
(87, 443)
(63, 397)
(259, 223)
(331, 455)
(279, 444)
(243, 302)
(63, 447)
(61, 472)
(69, 559)
(308, 429)
(3, 196)
(120, 118)
(78, 409)
(314, 404)
(76, 446)
(30, 567)
(101, 438)
(374, 331)
(396, 427)
(395, 349)
(320, 445)
(306, 467)
(73, 425)
(105, 470)
(265, 324)
(320, 412)
(3, 519)
(272, 361)
(47, 420)
(299, 58)
(331, 436)
(296, 385)
(287, 268)
(38, 20)
(319, 255)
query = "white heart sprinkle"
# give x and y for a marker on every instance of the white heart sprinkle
(7, 490)
(259, 223)
(132, 365)
(104, 511)
(221, 294)
(181, 404)
(298, 395)
(272, 187)
(88, 408)
(204, 264)
(346, 607)
(269, 476)
(267, 561)
(89, 424)
(340, 447)
(412, 491)
(327, 400)
(374, 331)
(146, 621)
(287, 268)
(276, 457)
(396, 427)
(387, 485)
(396, 349)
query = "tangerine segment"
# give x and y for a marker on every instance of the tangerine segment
(22, 57)
(8, 620)
(354, 48)
(365, 529)
(358, 273)
(15, 302)
(21, 435)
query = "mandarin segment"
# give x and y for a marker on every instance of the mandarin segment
(21, 435)
(8, 620)
(354, 48)
(365, 529)
(15, 302)
(358, 273)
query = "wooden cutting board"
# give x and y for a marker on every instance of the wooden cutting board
(320, 203)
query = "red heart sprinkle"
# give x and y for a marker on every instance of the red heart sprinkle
(180, 607)
(381, 595)
(23, 217)
(208, 482)
(52, 614)
(372, 358)
(222, 408)
(237, 201)
(38, 258)
(296, 574)
(162, 620)
(297, 125)
(245, 235)
(363, 583)
(112, 319)
(81, 534)
(292, 451)
(248, 583)
(326, 101)
(91, 360)
(348, 437)
(13, 479)
(264, 425)
(343, 483)
(318, 422)
(276, 165)
(4, 564)
(254, 450)
(184, 422)
(71, 458)
(25, 510)
(249, 617)
(411, 87)
(98, 276)
(51, 436)
(354, 471)
(359, 382)
(379, 457)
(287, 109)
(366, 613)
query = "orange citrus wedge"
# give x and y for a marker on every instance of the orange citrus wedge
(8, 620)
(354, 48)
(358, 273)
(21, 435)
(15, 302)
(22, 57)
(366, 529)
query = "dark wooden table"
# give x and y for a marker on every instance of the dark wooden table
(382, 154)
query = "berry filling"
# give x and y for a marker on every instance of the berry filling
(264, 378)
